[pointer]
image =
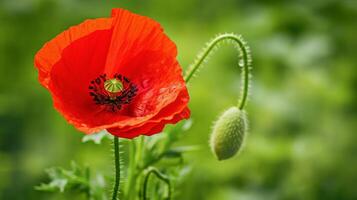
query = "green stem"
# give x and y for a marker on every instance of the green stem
(244, 55)
(160, 176)
(117, 168)
(131, 177)
(88, 191)
(139, 152)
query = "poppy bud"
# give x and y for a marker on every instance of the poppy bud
(228, 133)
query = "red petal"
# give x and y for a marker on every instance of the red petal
(51, 52)
(171, 114)
(80, 63)
(185, 114)
(132, 35)
(150, 128)
(128, 44)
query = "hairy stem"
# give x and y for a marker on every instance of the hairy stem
(117, 169)
(160, 176)
(244, 57)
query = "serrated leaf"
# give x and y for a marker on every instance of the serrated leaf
(53, 186)
(61, 179)
(75, 179)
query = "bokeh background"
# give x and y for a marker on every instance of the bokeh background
(302, 111)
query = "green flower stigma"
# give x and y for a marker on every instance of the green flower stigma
(113, 85)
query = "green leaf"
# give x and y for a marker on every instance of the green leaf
(187, 125)
(96, 137)
(159, 146)
(57, 183)
(76, 178)
(184, 149)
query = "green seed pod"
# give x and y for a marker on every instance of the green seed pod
(113, 85)
(228, 133)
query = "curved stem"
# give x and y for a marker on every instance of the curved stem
(117, 168)
(244, 56)
(160, 176)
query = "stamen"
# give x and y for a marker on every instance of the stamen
(112, 93)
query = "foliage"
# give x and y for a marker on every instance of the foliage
(302, 113)
(76, 179)
(147, 152)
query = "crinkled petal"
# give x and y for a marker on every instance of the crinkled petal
(150, 128)
(128, 44)
(171, 114)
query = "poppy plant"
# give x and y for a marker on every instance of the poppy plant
(121, 74)
(118, 73)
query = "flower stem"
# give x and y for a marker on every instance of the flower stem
(159, 175)
(131, 176)
(88, 191)
(117, 168)
(244, 56)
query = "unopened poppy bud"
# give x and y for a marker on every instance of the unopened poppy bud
(228, 133)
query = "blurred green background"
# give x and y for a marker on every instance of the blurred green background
(303, 113)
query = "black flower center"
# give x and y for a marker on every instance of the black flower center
(112, 93)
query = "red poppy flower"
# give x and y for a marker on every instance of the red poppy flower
(118, 73)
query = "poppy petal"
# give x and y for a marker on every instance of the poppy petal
(132, 35)
(170, 114)
(82, 60)
(51, 52)
(128, 44)
(150, 128)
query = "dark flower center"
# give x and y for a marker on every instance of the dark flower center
(112, 93)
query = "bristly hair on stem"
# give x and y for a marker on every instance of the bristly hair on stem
(245, 61)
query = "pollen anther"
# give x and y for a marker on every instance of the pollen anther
(112, 93)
